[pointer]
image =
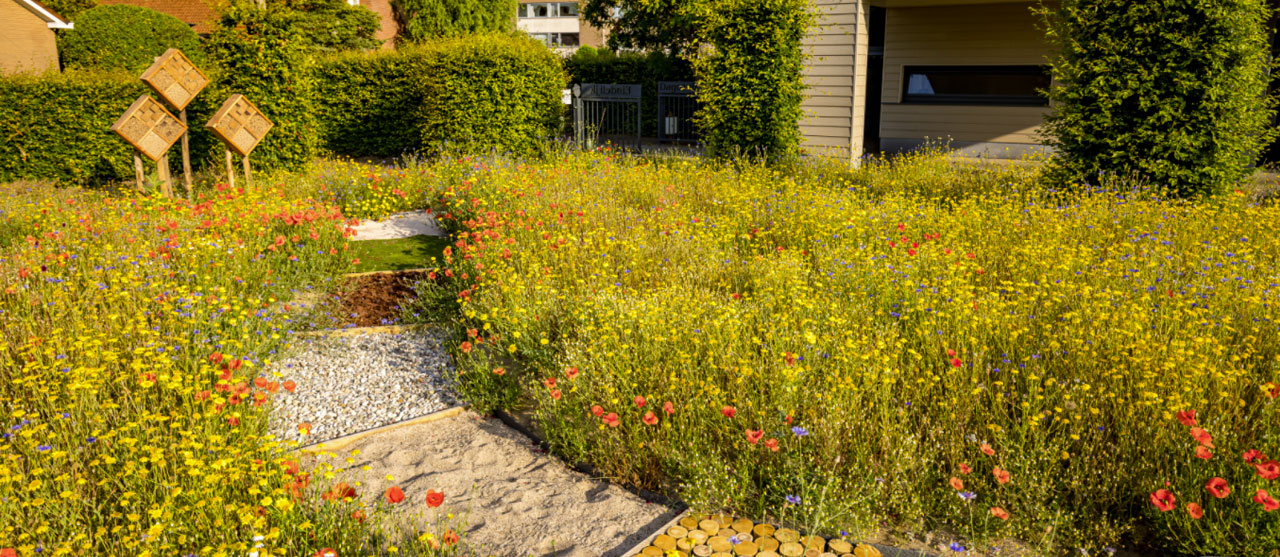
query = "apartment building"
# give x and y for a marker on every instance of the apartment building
(558, 24)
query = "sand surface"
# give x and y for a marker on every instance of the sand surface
(399, 225)
(518, 501)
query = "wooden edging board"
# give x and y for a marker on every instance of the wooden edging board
(340, 443)
(365, 274)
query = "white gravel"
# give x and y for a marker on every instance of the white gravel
(351, 383)
(399, 225)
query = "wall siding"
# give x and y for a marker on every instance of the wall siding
(835, 78)
(992, 34)
(29, 44)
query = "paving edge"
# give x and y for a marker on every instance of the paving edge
(637, 548)
(368, 273)
(340, 443)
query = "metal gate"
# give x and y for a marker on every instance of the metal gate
(606, 113)
(676, 108)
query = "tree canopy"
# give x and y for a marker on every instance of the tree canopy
(660, 25)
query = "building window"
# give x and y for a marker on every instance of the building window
(557, 39)
(548, 9)
(982, 85)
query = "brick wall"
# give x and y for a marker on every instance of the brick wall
(29, 45)
(387, 33)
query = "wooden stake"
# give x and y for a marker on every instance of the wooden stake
(165, 178)
(231, 169)
(138, 171)
(248, 173)
(186, 154)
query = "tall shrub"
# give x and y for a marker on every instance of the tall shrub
(259, 56)
(367, 103)
(58, 126)
(490, 92)
(123, 37)
(427, 19)
(749, 80)
(1170, 91)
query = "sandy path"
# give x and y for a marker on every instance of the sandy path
(519, 501)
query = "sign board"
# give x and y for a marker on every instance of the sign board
(148, 127)
(239, 124)
(610, 92)
(676, 88)
(175, 78)
(566, 96)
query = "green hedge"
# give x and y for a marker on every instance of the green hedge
(480, 93)
(589, 65)
(58, 126)
(123, 37)
(423, 20)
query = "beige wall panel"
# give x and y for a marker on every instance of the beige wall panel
(29, 45)
(988, 34)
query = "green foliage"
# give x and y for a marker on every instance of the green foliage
(367, 102)
(750, 87)
(260, 56)
(474, 94)
(490, 92)
(69, 9)
(1169, 91)
(126, 38)
(427, 19)
(58, 126)
(657, 25)
(604, 66)
(332, 25)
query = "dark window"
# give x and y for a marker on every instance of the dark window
(540, 10)
(568, 39)
(990, 85)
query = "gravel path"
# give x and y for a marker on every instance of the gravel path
(399, 225)
(350, 383)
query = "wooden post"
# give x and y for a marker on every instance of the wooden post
(165, 178)
(248, 174)
(138, 171)
(186, 154)
(231, 169)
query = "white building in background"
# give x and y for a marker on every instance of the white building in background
(558, 24)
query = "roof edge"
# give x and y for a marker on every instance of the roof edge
(51, 18)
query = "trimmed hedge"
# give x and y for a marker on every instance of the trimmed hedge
(423, 20)
(480, 93)
(589, 65)
(123, 37)
(58, 126)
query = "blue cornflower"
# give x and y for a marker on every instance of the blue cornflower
(793, 499)
(43, 448)
(967, 495)
(799, 431)
(955, 546)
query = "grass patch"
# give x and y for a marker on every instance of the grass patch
(414, 252)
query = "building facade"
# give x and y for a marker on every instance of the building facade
(26, 30)
(893, 75)
(558, 24)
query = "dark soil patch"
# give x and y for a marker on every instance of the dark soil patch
(374, 300)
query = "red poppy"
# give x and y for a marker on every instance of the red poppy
(956, 484)
(260, 382)
(611, 419)
(290, 467)
(571, 373)
(649, 418)
(1218, 487)
(986, 449)
(289, 386)
(1272, 390)
(639, 400)
(233, 421)
(499, 371)
(326, 552)
(1263, 498)
(1187, 417)
(550, 382)
(434, 498)
(272, 387)
(466, 347)
(339, 492)
(1268, 470)
(754, 435)
(555, 393)
(1195, 511)
(964, 468)
(1203, 453)
(999, 513)
(395, 495)
(203, 395)
(1164, 500)
(215, 357)
(729, 411)
(597, 411)
(1202, 437)
(1001, 475)
(1254, 455)
(668, 407)
(450, 537)
(304, 428)
(771, 444)
(955, 362)
(359, 516)
(951, 353)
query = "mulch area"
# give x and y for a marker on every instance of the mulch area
(374, 300)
